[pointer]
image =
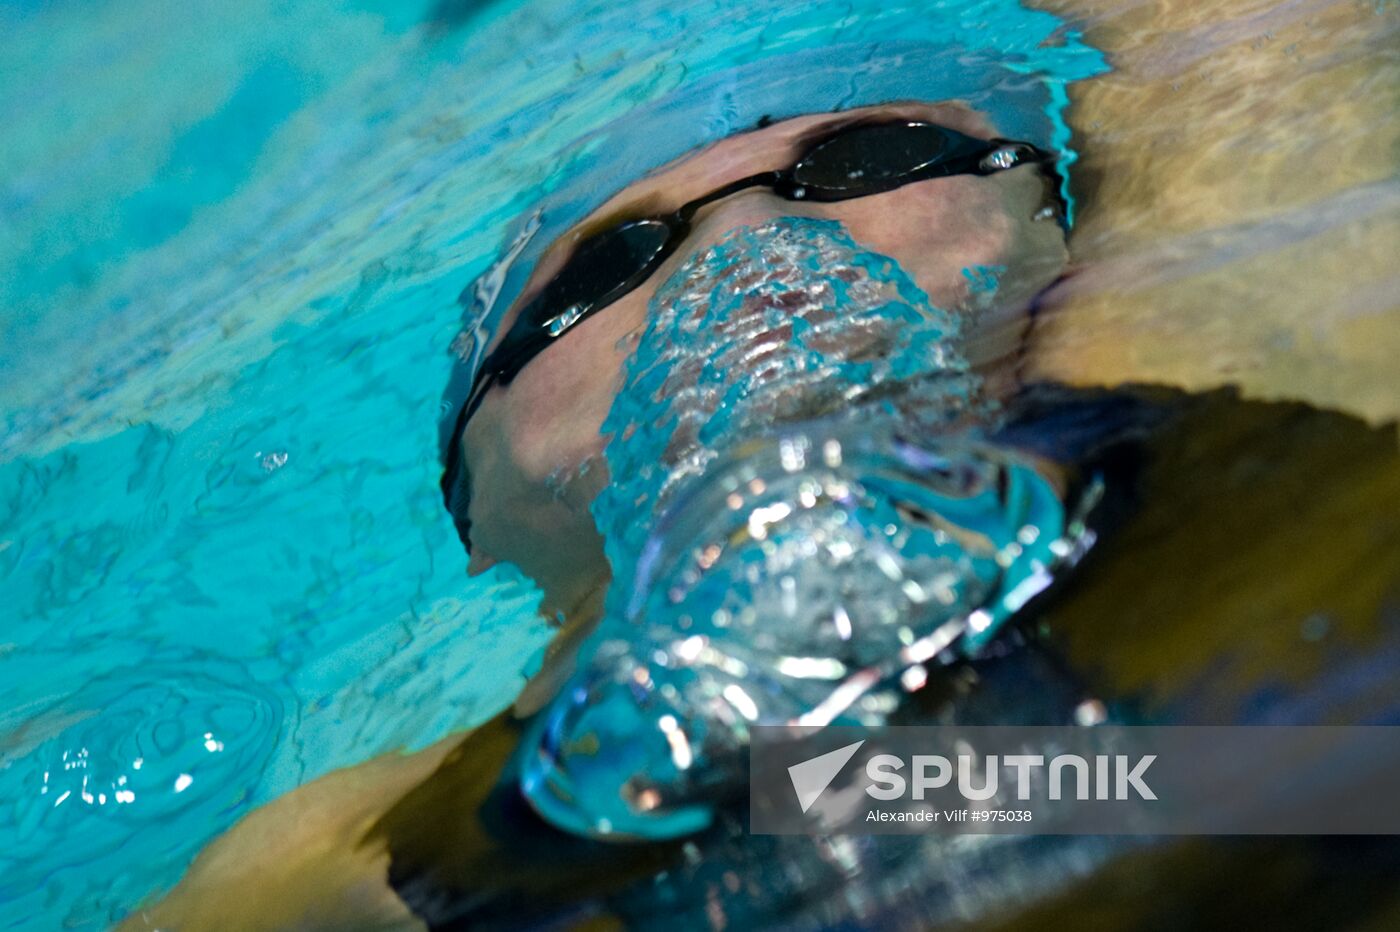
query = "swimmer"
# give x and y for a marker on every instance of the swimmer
(941, 193)
(342, 852)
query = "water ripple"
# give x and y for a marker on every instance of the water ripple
(107, 768)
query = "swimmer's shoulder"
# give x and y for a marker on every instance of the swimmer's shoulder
(303, 861)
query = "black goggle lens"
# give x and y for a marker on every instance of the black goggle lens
(600, 266)
(866, 156)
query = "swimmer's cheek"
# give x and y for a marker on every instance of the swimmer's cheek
(532, 487)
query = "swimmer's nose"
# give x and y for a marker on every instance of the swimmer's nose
(747, 208)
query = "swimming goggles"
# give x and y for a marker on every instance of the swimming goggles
(856, 160)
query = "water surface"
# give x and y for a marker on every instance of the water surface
(234, 241)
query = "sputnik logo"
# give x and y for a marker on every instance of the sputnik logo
(811, 777)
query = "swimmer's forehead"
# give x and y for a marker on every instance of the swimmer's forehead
(698, 173)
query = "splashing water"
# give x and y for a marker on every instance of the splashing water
(787, 579)
(786, 321)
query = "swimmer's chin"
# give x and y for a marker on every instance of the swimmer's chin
(579, 621)
(560, 603)
(575, 604)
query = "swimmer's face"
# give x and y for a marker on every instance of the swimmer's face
(533, 450)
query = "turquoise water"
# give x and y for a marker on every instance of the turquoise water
(234, 239)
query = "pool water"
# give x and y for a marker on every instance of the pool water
(232, 243)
